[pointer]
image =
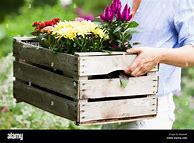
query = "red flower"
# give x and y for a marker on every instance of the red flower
(35, 23)
(56, 19)
(41, 25)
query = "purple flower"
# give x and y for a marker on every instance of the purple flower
(79, 19)
(89, 17)
(79, 11)
(108, 15)
(116, 6)
(81, 14)
(125, 15)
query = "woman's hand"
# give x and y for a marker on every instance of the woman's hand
(146, 60)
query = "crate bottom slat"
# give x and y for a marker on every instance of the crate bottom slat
(113, 109)
(117, 120)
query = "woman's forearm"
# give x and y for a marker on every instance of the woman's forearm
(180, 57)
(148, 58)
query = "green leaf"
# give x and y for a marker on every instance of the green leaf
(127, 37)
(117, 29)
(133, 24)
(124, 80)
(126, 31)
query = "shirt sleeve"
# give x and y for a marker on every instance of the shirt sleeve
(184, 22)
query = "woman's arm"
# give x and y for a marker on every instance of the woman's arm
(148, 58)
(180, 57)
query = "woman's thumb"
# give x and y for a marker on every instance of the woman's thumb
(134, 50)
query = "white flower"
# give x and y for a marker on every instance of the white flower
(65, 3)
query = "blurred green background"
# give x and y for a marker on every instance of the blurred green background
(16, 18)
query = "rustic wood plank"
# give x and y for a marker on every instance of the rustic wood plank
(117, 120)
(86, 54)
(43, 78)
(42, 56)
(101, 88)
(113, 109)
(18, 38)
(99, 65)
(45, 101)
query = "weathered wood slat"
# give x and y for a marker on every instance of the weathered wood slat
(42, 56)
(100, 65)
(100, 88)
(90, 111)
(117, 120)
(24, 38)
(86, 54)
(43, 78)
(45, 101)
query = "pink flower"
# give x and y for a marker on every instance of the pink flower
(116, 6)
(89, 17)
(81, 14)
(79, 19)
(108, 15)
(125, 15)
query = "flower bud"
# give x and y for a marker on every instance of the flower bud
(125, 15)
(108, 15)
(116, 6)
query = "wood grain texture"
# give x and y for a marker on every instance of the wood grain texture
(86, 54)
(101, 88)
(46, 79)
(90, 111)
(100, 65)
(42, 56)
(45, 101)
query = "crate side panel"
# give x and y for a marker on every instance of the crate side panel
(42, 56)
(126, 108)
(46, 79)
(45, 101)
(100, 65)
(101, 88)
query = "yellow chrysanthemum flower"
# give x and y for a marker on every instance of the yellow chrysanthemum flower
(99, 32)
(70, 29)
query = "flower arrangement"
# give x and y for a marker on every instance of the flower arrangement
(118, 25)
(78, 36)
(70, 36)
(43, 29)
(112, 33)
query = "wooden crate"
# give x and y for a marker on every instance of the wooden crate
(78, 87)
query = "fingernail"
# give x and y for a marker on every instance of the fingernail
(126, 71)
